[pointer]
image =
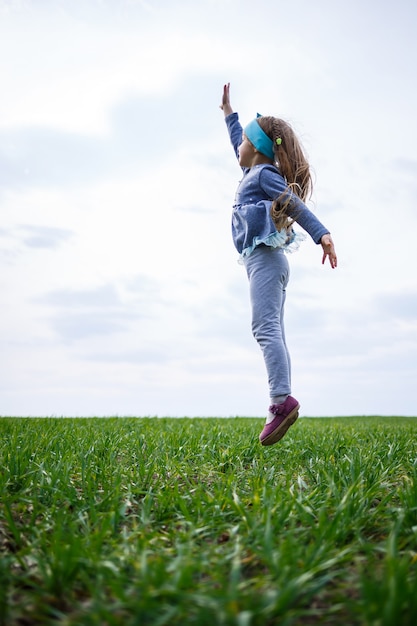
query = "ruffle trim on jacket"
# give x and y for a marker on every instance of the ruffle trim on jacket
(288, 241)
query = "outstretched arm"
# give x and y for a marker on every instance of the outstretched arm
(328, 250)
(225, 105)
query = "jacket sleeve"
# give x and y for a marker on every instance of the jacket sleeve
(273, 184)
(235, 131)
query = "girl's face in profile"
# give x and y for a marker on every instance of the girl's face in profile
(246, 152)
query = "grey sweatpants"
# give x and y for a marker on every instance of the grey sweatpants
(268, 273)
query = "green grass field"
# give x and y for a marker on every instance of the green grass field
(126, 521)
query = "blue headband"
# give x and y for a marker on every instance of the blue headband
(259, 139)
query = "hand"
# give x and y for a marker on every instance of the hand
(225, 105)
(328, 250)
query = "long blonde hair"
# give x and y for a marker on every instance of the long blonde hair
(292, 164)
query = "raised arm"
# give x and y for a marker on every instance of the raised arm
(232, 120)
(225, 105)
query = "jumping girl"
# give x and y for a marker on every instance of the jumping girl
(271, 196)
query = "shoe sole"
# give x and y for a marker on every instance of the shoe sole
(280, 431)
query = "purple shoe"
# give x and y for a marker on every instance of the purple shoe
(285, 415)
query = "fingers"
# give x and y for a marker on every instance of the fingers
(332, 258)
(328, 250)
(225, 105)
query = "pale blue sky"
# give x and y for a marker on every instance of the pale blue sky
(121, 291)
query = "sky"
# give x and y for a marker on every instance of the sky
(121, 291)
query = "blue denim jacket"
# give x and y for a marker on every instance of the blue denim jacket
(252, 223)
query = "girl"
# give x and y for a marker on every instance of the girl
(275, 185)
